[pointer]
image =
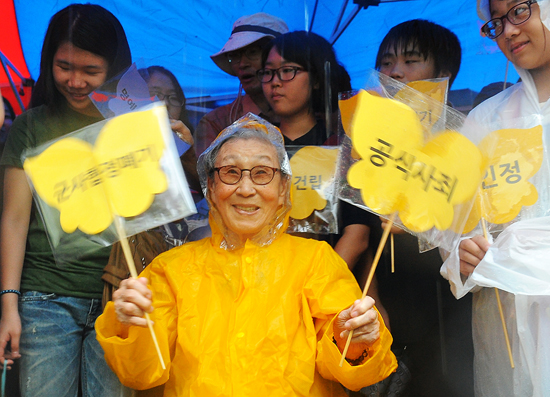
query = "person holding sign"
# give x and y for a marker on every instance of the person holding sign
(251, 310)
(295, 84)
(49, 308)
(516, 263)
(411, 51)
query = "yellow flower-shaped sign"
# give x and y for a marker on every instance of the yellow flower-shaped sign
(434, 89)
(313, 169)
(515, 155)
(119, 175)
(397, 172)
(425, 97)
(414, 94)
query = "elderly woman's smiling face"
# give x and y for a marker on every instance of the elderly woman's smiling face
(246, 207)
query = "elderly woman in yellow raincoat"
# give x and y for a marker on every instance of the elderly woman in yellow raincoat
(251, 311)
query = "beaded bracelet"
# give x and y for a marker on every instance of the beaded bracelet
(355, 361)
(358, 360)
(10, 291)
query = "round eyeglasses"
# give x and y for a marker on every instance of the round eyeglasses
(516, 15)
(260, 175)
(252, 53)
(284, 73)
(172, 100)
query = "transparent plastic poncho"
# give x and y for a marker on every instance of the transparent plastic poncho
(513, 212)
(249, 126)
(513, 206)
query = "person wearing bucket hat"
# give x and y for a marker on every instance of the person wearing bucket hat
(241, 56)
(514, 258)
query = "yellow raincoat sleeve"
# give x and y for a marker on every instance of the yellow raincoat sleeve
(134, 358)
(379, 365)
(330, 289)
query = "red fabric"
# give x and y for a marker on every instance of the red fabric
(10, 45)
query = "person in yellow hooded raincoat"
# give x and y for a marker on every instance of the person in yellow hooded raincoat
(251, 311)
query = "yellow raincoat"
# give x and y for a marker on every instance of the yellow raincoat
(252, 321)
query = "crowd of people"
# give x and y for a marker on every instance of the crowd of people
(240, 307)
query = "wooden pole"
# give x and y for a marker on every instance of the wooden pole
(499, 304)
(383, 240)
(133, 272)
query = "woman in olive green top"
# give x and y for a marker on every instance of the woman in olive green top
(49, 311)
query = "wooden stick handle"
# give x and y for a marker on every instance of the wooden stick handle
(500, 311)
(392, 249)
(383, 240)
(134, 274)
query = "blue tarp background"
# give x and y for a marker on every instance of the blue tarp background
(181, 35)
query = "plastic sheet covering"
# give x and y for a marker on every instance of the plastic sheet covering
(516, 264)
(183, 38)
(516, 184)
(129, 92)
(527, 320)
(428, 149)
(249, 124)
(517, 261)
(519, 249)
(125, 167)
(314, 200)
